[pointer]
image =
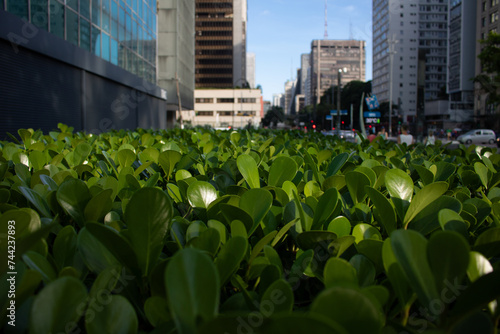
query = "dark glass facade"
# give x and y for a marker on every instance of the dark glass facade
(123, 32)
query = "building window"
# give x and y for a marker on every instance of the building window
(225, 100)
(204, 113)
(494, 17)
(204, 100)
(247, 100)
(494, 3)
(225, 113)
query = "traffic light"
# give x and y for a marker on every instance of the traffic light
(314, 126)
(342, 122)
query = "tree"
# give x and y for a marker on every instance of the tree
(274, 115)
(489, 80)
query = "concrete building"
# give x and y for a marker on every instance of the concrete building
(91, 65)
(487, 20)
(220, 43)
(279, 100)
(251, 69)
(328, 56)
(461, 54)
(176, 53)
(405, 29)
(305, 77)
(290, 88)
(236, 108)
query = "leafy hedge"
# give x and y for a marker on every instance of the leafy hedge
(235, 232)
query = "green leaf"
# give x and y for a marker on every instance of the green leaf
(117, 315)
(384, 213)
(365, 231)
(200, 194)
(409, 248)
(400, 187)
(277, 298)
(350, 308)
(425, 174)
(336, 164)
(482, 172)
(125, 157)
(208, 240)
(488, 243)
(117, 245)
(148, 215)
(192, 300)
(94, 254)
(282, 169)
(39, 263)
(365, 270)
(448, 255)
(427, 220)
(395, 273)
(167, 160)
(260, 245)
(340, 226)
(444, 171)
(356, 182)
(325, 208)
(248, 168)
(64, 247)
(58, 305)
(339, 272)
(423, 198)
(38, 201)
(99, 205)
(310, 239)
(73, 195)
(257, 203)
(452, 221)
(230, 256)
(478, 266)
(156, 309)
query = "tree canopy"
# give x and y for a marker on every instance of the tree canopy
(490, 63)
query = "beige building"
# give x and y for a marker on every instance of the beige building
(328, 56)
(220, 108)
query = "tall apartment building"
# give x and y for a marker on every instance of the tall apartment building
(89, 64)
(305, 77)
(328, 56)
(405, 30)
(176, 52)
(487, 20)
(251, 69)
(220, 43)
(290, 88)
(461, 54)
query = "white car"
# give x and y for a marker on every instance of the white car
(479, 136)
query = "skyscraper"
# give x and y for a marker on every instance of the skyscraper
(251, 69)
(305, 77)
(405, 29)
(220, 43)
(328, 56)
(89, 64)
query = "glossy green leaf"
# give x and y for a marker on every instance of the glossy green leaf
(482, 172)
(94, 254)
(230, 256)
(425, 174)
(427, 220)
(395, 273)
(99, 206)
(248, 169)
(478, 266)
(452, 221)
(148, 215)
(125, 157)
(443, 171)
(325, 208)
(336, 164)
(282, 169)
(64, 247)
(409, 248)
(256, 202)
(167, 160)
(423, 198)
(39, 263)
(200, 194)
(365, 269)
(350, 308)
(38, 201)
(340, 226)
(384, 212)
(400, 187)
(339, 272)
(448, 255)
(117, 315)
(73, 195)
(488, 242)
(365, 231)
(191, 300)
(277, 298)
(58, 304)
(356, 183)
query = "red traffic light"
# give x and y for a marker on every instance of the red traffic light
(314, 126)
(342, 122)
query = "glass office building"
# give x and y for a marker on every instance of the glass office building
(123, 32)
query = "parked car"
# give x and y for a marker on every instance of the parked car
(478, 136)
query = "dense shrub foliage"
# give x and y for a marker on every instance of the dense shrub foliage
(200, 231)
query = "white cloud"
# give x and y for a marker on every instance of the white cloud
(350, 8)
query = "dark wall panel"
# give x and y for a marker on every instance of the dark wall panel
(36, 91)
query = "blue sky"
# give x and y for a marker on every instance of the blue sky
(279, 31)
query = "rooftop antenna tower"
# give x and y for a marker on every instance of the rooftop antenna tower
(351, 35)
(326, 19)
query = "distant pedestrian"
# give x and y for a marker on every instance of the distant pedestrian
(405, 137)
(383, 133)
(430, 139)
